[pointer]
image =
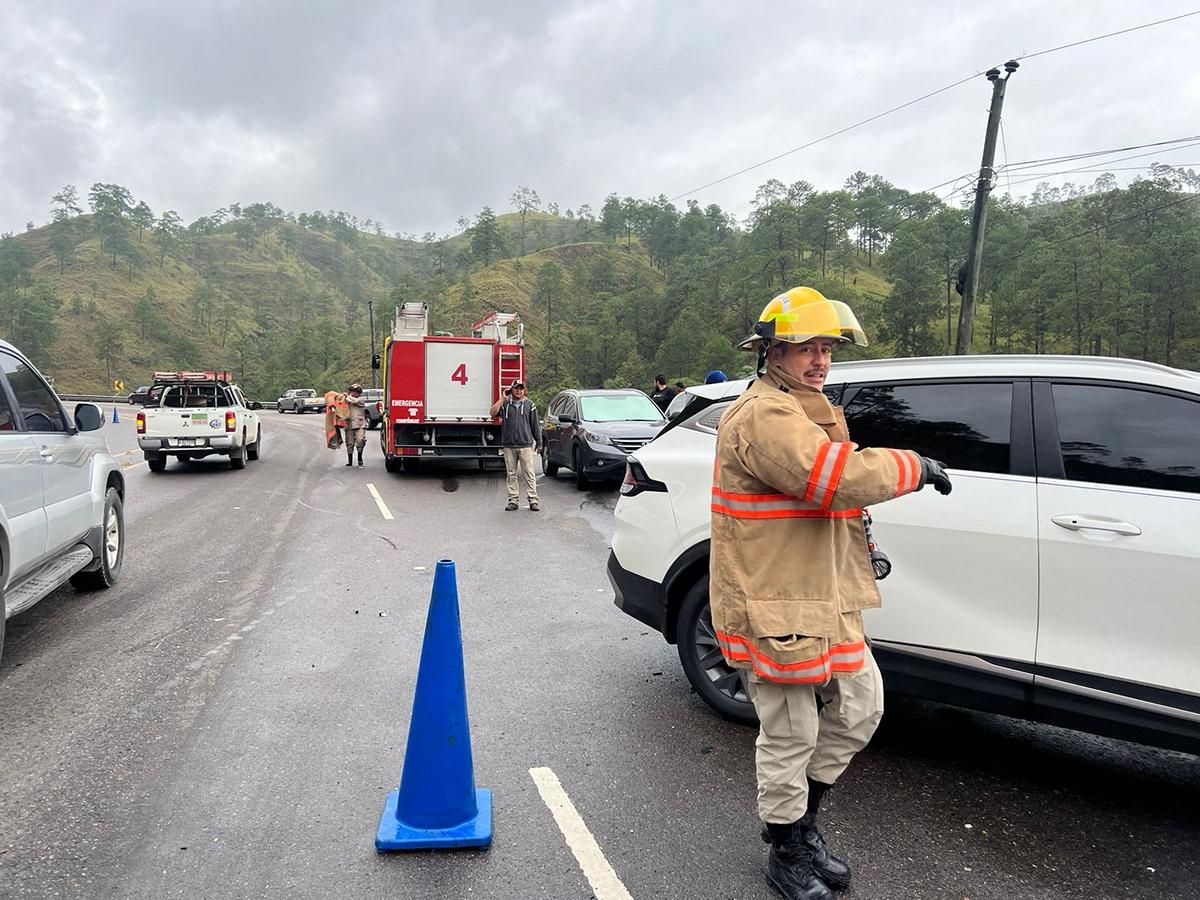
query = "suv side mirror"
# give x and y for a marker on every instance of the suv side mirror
(566, 420)
(88, 417)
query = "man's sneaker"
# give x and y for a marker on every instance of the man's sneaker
(533, 507)
(511, 506)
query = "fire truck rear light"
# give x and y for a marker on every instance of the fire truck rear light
(230, 420)
(141, 423)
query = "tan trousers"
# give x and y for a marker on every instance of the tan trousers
(355, 437)
(796, 743)
(520, 459)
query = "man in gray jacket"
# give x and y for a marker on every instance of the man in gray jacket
(520, 439)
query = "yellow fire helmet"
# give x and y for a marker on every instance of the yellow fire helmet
(804, 313)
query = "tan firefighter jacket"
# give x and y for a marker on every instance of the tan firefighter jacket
(790, 570)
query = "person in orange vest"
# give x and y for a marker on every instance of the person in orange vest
(790, 573)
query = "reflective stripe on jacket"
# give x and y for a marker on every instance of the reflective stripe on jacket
(790, 570)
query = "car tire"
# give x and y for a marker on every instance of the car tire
(237, 458)
(549, 467)
(719, 685)
(112, 547)
(3, 613)
(581, 480)
(253, 451)
(157, 463)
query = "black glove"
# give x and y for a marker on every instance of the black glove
(934, 472)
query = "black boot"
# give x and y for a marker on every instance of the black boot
(829, 868)
(789, 865)
(350, 460)
(360, 456)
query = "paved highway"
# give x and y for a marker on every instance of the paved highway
(228, 719)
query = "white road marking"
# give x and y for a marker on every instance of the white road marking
(387, 513)
(600, 875)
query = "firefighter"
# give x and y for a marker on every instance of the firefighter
(356, 424)
(790, 575)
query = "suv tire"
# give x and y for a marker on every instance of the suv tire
(549, 467)
(112, 547)
(581, 480)
(718, 684)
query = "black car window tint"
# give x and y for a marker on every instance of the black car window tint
(1135, 438)
(965, 426)
(37, 404)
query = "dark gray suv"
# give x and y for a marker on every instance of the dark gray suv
(592, 432)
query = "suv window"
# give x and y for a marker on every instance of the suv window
(7, 420)
(1130, 437)
(37, 403)
(965, 426)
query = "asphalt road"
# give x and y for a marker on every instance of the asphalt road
(227, 720)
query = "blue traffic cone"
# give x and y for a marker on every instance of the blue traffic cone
(438, 805)
(115, 419)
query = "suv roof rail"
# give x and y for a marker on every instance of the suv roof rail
(1051, 358)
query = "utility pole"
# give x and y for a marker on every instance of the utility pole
(374, 360)
(966, 313)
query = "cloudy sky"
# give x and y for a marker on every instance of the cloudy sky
(416, 113)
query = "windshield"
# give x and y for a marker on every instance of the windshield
(620, 408)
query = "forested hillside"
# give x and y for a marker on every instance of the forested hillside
(607, 299)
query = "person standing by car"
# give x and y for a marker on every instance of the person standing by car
(520, 439)
(790, 574)
(356, 424)
(663, 395)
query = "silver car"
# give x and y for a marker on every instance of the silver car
(61, 492)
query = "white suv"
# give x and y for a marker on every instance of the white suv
(1059, 582)
(61, 492)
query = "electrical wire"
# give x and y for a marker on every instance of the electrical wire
(1004, 146)
(1101, 37)
(915, 101)
(1085, 233)
(1093, 153)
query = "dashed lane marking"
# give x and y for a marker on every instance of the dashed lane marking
(387, 513)
(600, 875)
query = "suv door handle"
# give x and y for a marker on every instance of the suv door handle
(1076, 523)
(46, 453)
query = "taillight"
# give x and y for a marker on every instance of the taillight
(636, 480)
(141, 423)
(230, 420)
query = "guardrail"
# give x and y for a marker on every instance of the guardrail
(102, 398)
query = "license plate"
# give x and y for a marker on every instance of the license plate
(186, 442)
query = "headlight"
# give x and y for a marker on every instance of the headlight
(593, 438)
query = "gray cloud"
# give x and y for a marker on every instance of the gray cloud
(417, 113)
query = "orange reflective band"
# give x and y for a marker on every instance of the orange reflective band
(827, 472)
(847, 657)
(786, 512)
(909, 471)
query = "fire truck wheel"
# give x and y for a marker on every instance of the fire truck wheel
(391, 463)
(410, 465)
(550, 468)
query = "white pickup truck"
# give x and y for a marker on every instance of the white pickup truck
(198, 414)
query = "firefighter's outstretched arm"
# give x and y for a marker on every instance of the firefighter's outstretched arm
(795, 456)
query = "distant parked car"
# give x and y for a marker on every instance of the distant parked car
(591, 432)
(140, 395)
(61, 492)
(372, 398)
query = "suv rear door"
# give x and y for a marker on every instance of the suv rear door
(1119, 500)
(961, 604)
(20, 489)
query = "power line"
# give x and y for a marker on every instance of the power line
(826, 137)
(915, 101)
(1101, 37)
(1038, 176)
(1092, 153)
(1138, 215)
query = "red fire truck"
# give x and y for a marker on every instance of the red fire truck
(438, 389)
